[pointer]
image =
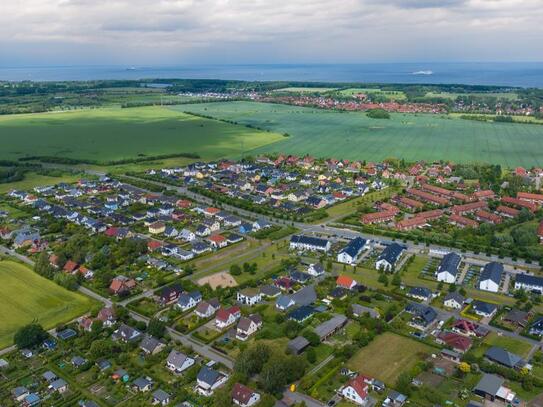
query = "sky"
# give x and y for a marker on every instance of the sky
(170, 32)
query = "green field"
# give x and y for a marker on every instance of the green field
(510, 96)
(32, 180)
(115, 133)
(304, 90)
(389, 94)
(325, 133)
(25, 297)
(388, 356)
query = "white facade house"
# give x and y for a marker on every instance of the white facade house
(178, 362)
(356, 391)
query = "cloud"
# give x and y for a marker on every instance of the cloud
(253, 31)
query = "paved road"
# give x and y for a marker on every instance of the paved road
(295, 397)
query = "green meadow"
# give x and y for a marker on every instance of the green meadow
(114, 134)
(25, 297)
(325, 133)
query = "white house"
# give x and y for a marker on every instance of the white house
(187, 301)
(208, 380)
(454, 301)
(248, 326)
(206, 309)
(350, 253)
(356, 390)
(529, 283)
(491, 276)
(227, 317)
(301, 242)
(249, 296)
(389, 257)
(448, 268)
(243, 396)
(315, 269)
(177, 362)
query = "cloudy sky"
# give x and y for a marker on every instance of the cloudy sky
(71, 32)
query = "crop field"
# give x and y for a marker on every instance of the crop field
(32, 180)
(25, 296)
(325, 133)
(389, 94)
(115, 134)
(388, 356)
(304, 90)
(500, 95)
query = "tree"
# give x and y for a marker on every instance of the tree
(101, 348)
(30, 335)
(312, 337)
(311, 355)
(396, 280)
(291, 329)
(235, 270)
(464, 367)
(383, 279)
(156, 328)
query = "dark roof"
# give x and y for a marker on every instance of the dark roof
(492, 271)
(484, 307)
(454, 296)
(391, 253)
(503, 357)
(302, 313)
(327, 327)
(428, 314)
(298, 344)
(489, 384)
(420, 292)
(354, 247)
(529, 280)
(309, 240)
(208, 375)
(450, 263)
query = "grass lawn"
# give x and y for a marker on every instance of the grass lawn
(25, 296)
(387, 356)
(32, 180)
(347, 208)
(517, 346)
(326, 133)
(114, 134)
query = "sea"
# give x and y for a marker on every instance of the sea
(514, 74)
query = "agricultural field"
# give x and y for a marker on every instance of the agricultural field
(391, 95)
(32, 180)
(509, 96)
(304, 90)
(401, 355)
(115, 134)
(25, 297)
(325, 133)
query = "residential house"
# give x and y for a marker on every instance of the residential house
(491, 387)
(247, 326)
(447, 270)
(208, 380)
(227, 316)
(297, 345)
(249, 296)
(304, 296)
(388, 259)
(420, 293)
(484, 309)
(244, 396)
(502, 357)
(529, 283)
(178, 362)
(206, 309)
(301, 242)
(346, 282)
(491, 276)
(350, 253)
(142, 384)
(121, 285)
(161, 398)
(126, 333)
(458, 343)
(187, 301)
(454, 300)
(315, 269)
(151, 345)
(169, 295)
(356, 391)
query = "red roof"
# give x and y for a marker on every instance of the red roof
(345, 281)
(111, 232)
(360, 386)
(70, 266)
(540, 229)
(455, 341)
(212, 210)
(241, 393)
(153, 244)
(184, 203)
(217, 238)
(530, 197)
